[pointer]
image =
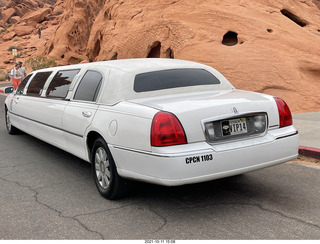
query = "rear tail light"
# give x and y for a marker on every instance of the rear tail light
(166, 130)
(285, 117)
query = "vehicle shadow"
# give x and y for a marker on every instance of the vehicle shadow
(216, 189)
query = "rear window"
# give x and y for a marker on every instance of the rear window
(174, 78)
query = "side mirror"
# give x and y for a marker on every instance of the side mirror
(8, 90)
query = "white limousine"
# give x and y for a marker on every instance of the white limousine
(162, 121)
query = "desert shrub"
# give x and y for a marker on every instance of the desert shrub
(12, 47)
(3, 75)
(59, 13)
(40, 63)
(75, 60)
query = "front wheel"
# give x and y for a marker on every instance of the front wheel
(10, 128)
(105, 175)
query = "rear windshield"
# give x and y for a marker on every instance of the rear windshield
(174, 78)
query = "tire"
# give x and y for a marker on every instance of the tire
(10, 128)
(105, 175)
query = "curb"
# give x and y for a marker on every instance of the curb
(309, 152)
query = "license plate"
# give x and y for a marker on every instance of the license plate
(234, 127)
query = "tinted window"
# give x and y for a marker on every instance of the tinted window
(89, 86)
(36, 85)
(60, 83)
(166, 79)
(22, 85)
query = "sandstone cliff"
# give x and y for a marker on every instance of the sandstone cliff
(269, 46)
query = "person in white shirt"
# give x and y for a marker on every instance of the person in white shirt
(22, 71)
(15, 76)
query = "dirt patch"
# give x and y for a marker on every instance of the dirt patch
(306, 160)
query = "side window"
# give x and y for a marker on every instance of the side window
(89, 86)
(22, 85)
(36, 85)
(60, 83)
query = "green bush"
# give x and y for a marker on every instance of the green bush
(40, 63)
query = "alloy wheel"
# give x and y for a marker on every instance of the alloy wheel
(102, 167)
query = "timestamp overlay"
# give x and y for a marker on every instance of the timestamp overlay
(159, 241)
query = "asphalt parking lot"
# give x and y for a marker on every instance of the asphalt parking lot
(49, 194)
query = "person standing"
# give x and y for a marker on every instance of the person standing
(22, 71)
(39, 32)
(15, 76)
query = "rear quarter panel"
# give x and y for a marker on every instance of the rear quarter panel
(126, 125)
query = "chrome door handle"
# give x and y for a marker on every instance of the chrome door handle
(16, 99)
(87, 114)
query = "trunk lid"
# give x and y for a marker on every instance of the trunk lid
(194, 109)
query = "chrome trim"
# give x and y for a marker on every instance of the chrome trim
(234, 110)
(169, 155)
(292, 134)
(86, 114)
(273, 126)
(75, 81)
(233, 116)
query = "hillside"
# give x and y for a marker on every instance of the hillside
(269, 46)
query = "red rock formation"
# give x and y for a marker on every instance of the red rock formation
(7, 14)
(8, 36)
(3, 3)
(317, 3)
(22, 30)
(34, 17)
(69, 44)
(24, 6)
(269, 46)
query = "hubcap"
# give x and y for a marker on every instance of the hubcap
(102, 167)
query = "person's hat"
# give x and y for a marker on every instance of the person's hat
(19, 62)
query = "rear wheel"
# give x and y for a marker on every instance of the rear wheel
(10, 128)
(105, 175)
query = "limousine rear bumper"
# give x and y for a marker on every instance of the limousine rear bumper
(208, 163)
